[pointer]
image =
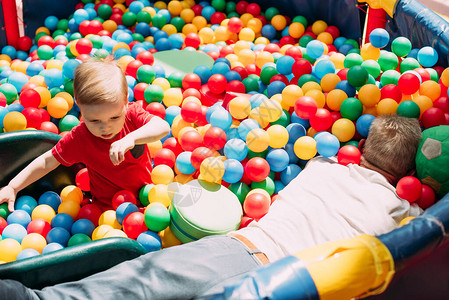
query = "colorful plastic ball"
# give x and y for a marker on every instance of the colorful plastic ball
(77, 239)
(343, 129)
(215, 137)
(289, 173)
(109, 217)
(257, 169)
(150, 240)
(257, 140)
(123, 196)
(157, 217)
(284, 65)
(39, 226)
(9, 250)
(14, 231)
(14, 121)
(58, 235)
(409, 83)
(427, 198)
(409, 188)
(427, 56)
(305, 147)
(408, 109)
(323, 67)
(235, 149)
(20, 217)
(233, 170)
(212, 169)
(43, 211)
(62, 220)
(27, 253)
(90, 212)
(379, 38)
(30, 98)
(217, 83)
(183, 163)
(134, 224)
(256, 205)
(51, 247)
(3, 224)
(69, 207)
(433, 116)
(401, 46)
(351, 108)
(305, 107)
(357, 76)
(327, 144)
(278, 159)
(349, 154)
(363, 124)
(25, 203)
(34, 241)
(124, 210)
(162, 174)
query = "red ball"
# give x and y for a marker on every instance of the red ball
(190, 140)
(37, 226)
(172, 144)
(116, 16)
(83, 28)
(349, 154)
(191, 92)
(306, 107)
(280, 77)
(95, 26)
(33, 116)
(191, 111)
(334, 31)
(91, 212)
(257, 169)
(122, 197)
(156, 108)
(202, 119)
(30, 98)
(146, 57)
(256, 205)
(164, 157)
(245, 221)
(217, 83)
(191, 80)
(45, 115)
(423, 73)
(409, 188)
(29, 85)
(215, 138)
(24, 43)
(442, 103)
(294, 52)
(134, 224)
(240, 7)
(49, 126)
(3, 100)
(343, 74)
(235, 24)
(252, 69)
(235, 86)
(46, 40)
(287, 40)
(84, 46)
(217, 17)
(272, 48)
(197, 9)
(241, 70)
(3, 224)
(408, 83)
(132, 67)
(433, 116)
(139, 90)
(322, 120)
(192, 40)
(391, 91)
(301, 67)
(225, 50)
(200, 154)
(213, 54)
(254, 9)
(427, 198)
(82, 180)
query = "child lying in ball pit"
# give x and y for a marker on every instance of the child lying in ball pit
(327, 201)
(110, 140)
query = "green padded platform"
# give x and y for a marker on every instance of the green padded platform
(181, 60)
(200, 209)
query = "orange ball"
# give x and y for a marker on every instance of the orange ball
(387, 106)
(335, 98)
(369, 95)
(69, 207)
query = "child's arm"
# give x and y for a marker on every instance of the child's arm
(152, 131)
(37, 169)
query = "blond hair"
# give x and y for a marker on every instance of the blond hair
(392, 144)
(99, 82)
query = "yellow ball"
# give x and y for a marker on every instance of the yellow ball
(247, 34)
(343, 129)
(57, 107)
(326, 38)
(279, 22)
(183, 178)
(369, 95)
(305, 147)
(72, 192)
(445, 77)
(154, 147)
(311, 85)
(255, 115)
(319, 26)
(162, 174)
(159, 193)
(34, 241)
(257, 140)
(187, 15)
(67, 98)
(318, 96)
(270, 110)
(212, 169)
(22, 66)
(69, 207)
(124, 61)
(168, 239)
(177, 125)
(100, 232)
(172, 97)
(9, 249)
(278, 136)
(368, 51)
(54, 64)
(221, 33)
(246, 57)
(262, 40)
(335, 98)
(162, 82)
(199, 22)
(43, 29)
(14, 121)
(189, 28)
(45, 95)
(255, 25)
(430, 89)
(160, 5)
(39, 80)
(169, 29)
(239, 107)
(174, 7)
(264, 57)
(338, 59)
(291, 93)
(423, 102)
(296, 30)
(387, 106)
(109, 217)
(115, 233)
(43, 211)
(207, 35)
(329, 81)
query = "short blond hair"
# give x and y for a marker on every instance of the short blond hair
(98, 82)
(392, 144)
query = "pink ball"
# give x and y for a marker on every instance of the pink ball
(409, 188)
(349, 154)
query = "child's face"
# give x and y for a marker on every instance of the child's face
(104, 120)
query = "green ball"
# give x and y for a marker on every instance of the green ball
(55, 90)
(302, 20)
(254, 76)
(390, 76)
(408, 64)
(97, 41)
(77, 239)
(357, 76)
(230, 7)
(252, 154)
(271, 12)
(233, 14)
(352, 143)
(159, 21)
(219, 5)
(175, 79)
(153, 93)
(306, 78)
(372, 67)
(143, 16)
(129, 19)
(104, 11)
(352, 59)
(63, 24)
(69, 53)
(57, 33)
(137, 37)
(304, 40)
(68, 122)
(352, 42)
(401, 46)
(99, 19)
(284, 120)
(75, 36)
(38, 36)
(433, 74)
(251, 84)
(351, 108)
(408, 109)
(354, 50)
(157, 218)
(388, 60)
(101, 53)
(267, 73)
(45, 52)
(267, 184)
(4, 211)
(178, 22)
(68, 86)
(143, 194)
(9, 91)
(146, 73)
(240, 189)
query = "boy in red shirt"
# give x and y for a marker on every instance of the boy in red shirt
(110, 140)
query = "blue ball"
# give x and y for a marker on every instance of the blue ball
(80, 15)
(232, 133)
(232, 75)
(346, 87)
(207, 12)
(315, 49)
(160, 35)
(50, 198)
(327, 144)
(276, 87)
(54, 78)
(427, 56)
(73, 26)
(278, 186)
(68, 68)
(338, 42)
(363, 124)
(143, 28)
(84, 226)
(345, 48)
(235, 149)
(26, 203)
(233, 170)
(203, 72)
(150, 240)
(14, 231)
(171, 112)
(268, 31)
(20, 217)
(284, 64)
(51, 247)
(15, 107)
(324, 67)
(3, 112)
(295, 119)
(257, 99)
(295, 131)
(27, 253)
(290, 149)
(221, 118)
(6, 73)
(220, 68)
(58, 235)
(166, 14)
(163, 44)
(176, 40)
(379, 38)
(135, 7)
(120, 52)
(289, 173)
(223, 59)
(51, 22)
(278, 159)
(246, 126)
(62, 220)
(124, 37)
(212, 109)
(125, 209)
(10, 51)
(22, 55)
(184, 164)
(18, 80)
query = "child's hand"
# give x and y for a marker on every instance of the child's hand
(119, 148)
(7, 194)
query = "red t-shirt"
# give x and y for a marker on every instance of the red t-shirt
(81, 146)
